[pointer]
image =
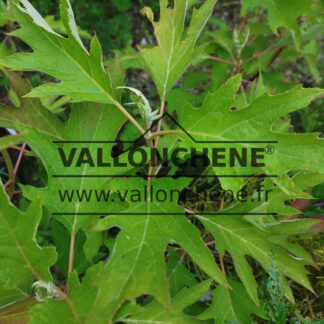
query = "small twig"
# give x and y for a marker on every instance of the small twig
(7, 183)
(275, 56)
(309, 305)
(243, 22)
(221, 262)
(71, 255)
(128, 115)
(11, 182)
(247, 81)
(257, 55)
(251, 40)
(166, 132)
(12, 171)
(188, 211)
(19, 158)
(230, 4)
(159, 125)
(5, 39)
(221, 207)
(243, 93)
(215, 58)
(18, 148)
(210, 243)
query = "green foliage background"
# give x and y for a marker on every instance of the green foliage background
(116, 22)
(252, 48)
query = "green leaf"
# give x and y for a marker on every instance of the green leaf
(178, 275)
(17, 313)
(155, 313)
(61, 236)
(5, 13)
(22, 259)
(88, 122)
(122, 5)
(231, 305)
(30, 114)
(215, 121)
(136, 265)
(303, 180)
(277, 200)
(282, 13)
(66, 59)
(68, 311)
(58, 26)
(92, 245)
(174, 52)
(11, 140)
(144, 266)
(240, 238)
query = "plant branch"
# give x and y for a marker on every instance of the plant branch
(309, 304)
(276, 54)
(243, 22)
(210, 243)
(21, 153)
(216, 58)
(257, 55)
(18, 148)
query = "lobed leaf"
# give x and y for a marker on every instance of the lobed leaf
(30, 114)
(231, 305)
(81, 73)
(174, 53)
(282, 13)
(22, 259)
(216, 121)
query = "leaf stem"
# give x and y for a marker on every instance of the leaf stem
(159, 126)
(129, 116)
(11, 172)
(216, 58)
(221, 262)
(309, 304)
(149, 143)
(18, 148)
(71, 253)
(166, 132)
(21, 153)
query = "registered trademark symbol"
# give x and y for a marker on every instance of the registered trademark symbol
(269, 149)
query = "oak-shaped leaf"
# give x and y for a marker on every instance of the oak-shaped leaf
(77, 184)
(231, 305)
(216, 125)
(136, 265)
(169, 59)
(282, 13)
(22, 259)
(10, 140)
(270, 245)
(155, 313)
(82, 75)
(29, 114)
